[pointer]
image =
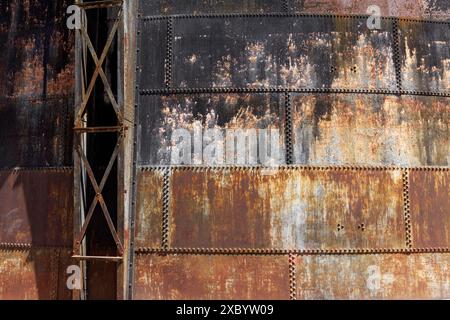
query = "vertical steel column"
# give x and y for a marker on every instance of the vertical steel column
(84, 172)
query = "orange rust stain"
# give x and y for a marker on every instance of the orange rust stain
(290, 209)
(211, 277)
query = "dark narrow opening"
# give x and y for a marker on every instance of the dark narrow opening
(102, 276)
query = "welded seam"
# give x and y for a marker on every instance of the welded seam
(166, 209)
(288, 129)
(11, 246)
(283, 15)
(31, 169)
(194, 168)
(230, 90)
(293, 276)
(256, 252)
(407, 208)
(397, 59)
(169, 54)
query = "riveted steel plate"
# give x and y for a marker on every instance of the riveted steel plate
(211, 277)
(299, 52)
(152, 58)
(425, 56)
(430, 208)
(36, 207)
(418, 276)
(436, 9)
(337, 129)
(149, 208)
(38, 61)
(290, 209)
(161, 116)
(28, 275)
(165, 7)
(35, 133)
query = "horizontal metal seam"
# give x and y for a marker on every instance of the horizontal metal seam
(285, 15)
(243, 251)
(293, 167)
(5, 246)
(44, 169)
(229, 90)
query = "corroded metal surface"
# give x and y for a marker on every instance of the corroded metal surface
(434, 9)
(423, 9)
(306, 52)
(211, 277)
(342, 96)
(292, 209)
(210, 6)
(36, 207)
(430, 208)
(35, 132)
(26, 274)
(37, 49)
(35, 274)
(149, 209)
(425, 56)
(383, 130)
(159, 116)
(421, 276)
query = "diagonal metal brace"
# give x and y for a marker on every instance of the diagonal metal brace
(99, 71)
(99, 197)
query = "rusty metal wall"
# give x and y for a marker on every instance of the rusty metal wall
(359, 208)
(36, 176)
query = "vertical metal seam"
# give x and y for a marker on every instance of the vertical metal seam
(407, 207)
(292, 276)
(286, 7)
(61, 149)
(54, 263)
(288, 128)
(132, 219)
(166, 208)
(397, 64)
(169, 54)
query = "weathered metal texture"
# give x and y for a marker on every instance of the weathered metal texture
(35, 133)
(234, 233)
(383, 129)
(291, 209)
(152, 58)
(211, 277)
(37, 49)
(430, 208)
(149, 208)
(306, 52)
(423, 9)
(34, 274)
(170, 7)
(159, 116)
(36, 211)
(36, 207)
(418, 276)
(425, 56)
(27, 274)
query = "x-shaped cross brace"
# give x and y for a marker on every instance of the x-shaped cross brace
(99, 72)
(99, 197)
